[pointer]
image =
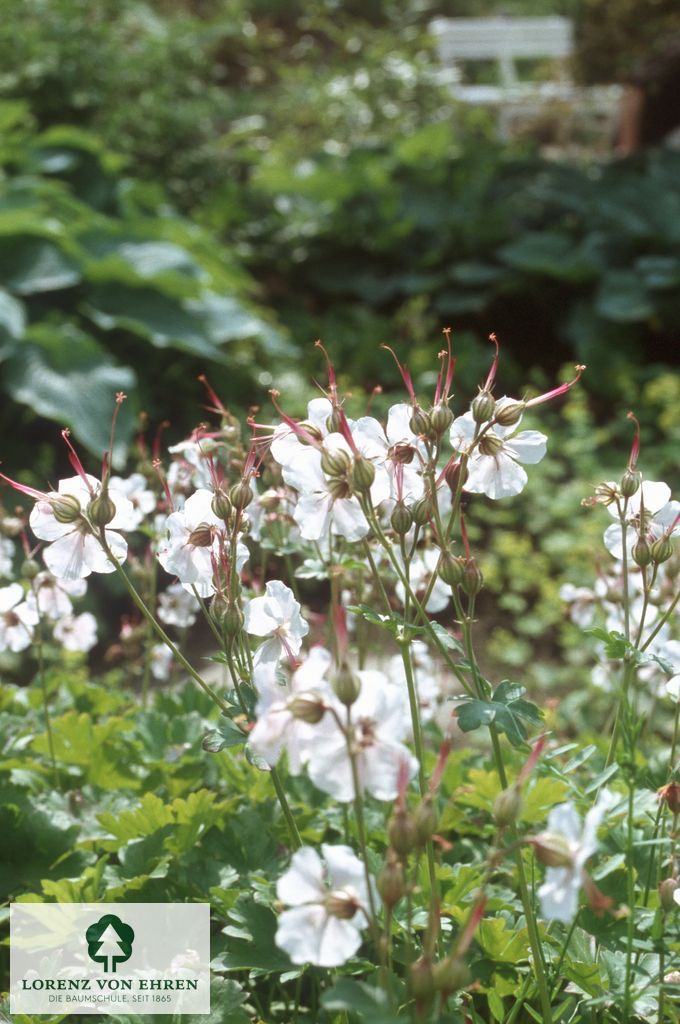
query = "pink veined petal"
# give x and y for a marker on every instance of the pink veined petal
(65, 558)
(299, 930)
(268, 736)
(318, 411)
(655, 494)
(305, 474)
(529, 446)
(613, 540)
(77, 488)
(497, 476)
(664, 519)
(303, 882)
(268, 653)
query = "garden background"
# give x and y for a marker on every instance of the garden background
(208, 187)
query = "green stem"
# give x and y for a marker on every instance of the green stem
(563, 953)
(46, 705)
(630, 930)
(146, 677)
(295, 840)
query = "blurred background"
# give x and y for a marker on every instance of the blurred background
(195, 186)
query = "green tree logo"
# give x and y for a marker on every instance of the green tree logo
(109, 942)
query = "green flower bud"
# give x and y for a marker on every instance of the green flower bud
(630, 483)
(419, 421)
(510, 414)
(401, 519)
(337, 463)
(307, 707)
(642, 553)
(390, 881)
(101, 509)
(451, 974)
(507, 806)
(473, 580)
(310, 431)
(441, 418)
(666, 890)
(202, 536)
(363, 474)
(422, 510)
(334, 422)
(339, 488)
(227, 616)
(346, 685)
(490, 444)
(452, 474)
(451, 569)
(425, 821)
(221, 505)
(241, 495)
(401, 830)
(30, 569)
(483, 407)
(661, 550)
(66, 508)
(552, 850)
(421, 980)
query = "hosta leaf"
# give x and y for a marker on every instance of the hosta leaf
(30, 265)
(12, 323)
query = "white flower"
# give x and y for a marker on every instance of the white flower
(560, 890)
(286, 444)
(51, 597)
(142, 500)
(494, 465)
(276, 616)
(77, 633)
(193, 543)
(421, 569)
(659, 516)
(17, 619)
(328, 902)
(427, 685)
(285, 714)
(6, 556)
(161, 662)
(379, 722)
(177, 607)
(76, 551)
(396, 448)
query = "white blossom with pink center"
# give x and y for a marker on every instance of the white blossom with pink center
(142, 500)
(276, 616)
(77, 633)
(51, 597)
(661, 516)
(328, 901)
(17, 619)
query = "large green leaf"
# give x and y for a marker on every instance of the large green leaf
(65, 375)
(12, 323)
(29, 265)
(622, 297)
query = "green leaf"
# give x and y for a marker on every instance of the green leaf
(623, 298)
(360, 1000)
(12, 323)
(250, 940)
(30, 265)
(506, 710)
(227, 734)
(394, 624)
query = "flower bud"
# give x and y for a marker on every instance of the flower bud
(346, 685)
(201, 536)
(507, 806)
(401, 519)
(310, 431)
(451, 569)
(422, 510)
(227, 615)
(451, 974)
(401, 830)
(241, 495)
(421, 980)
(339, 488)
(661, 550)
(473, 580)
(101, 509)
(490, 444)
(221, 505)
(334, 421)
(552, 850)
(630, 483)
(670, 794)
(307, 707)
(666, 891)
(425, 821)
(363, 474)
(65, 508)
(510, 414)
(483, 407)
(642, 553)
(336, 463)
(30, 569)
(452, 474)
(441, 418)
(341, 904)
(420, 421)
(390, 881)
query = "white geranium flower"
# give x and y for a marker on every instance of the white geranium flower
(6, 557)
(17, 619)
(177, 607)
(51, 597)
(422, 567)
(560, 890)
(660, 515)
(288, 715)
(75, 551)
(396, 448)
(192, 546)
(328, 900)
(77, 633)
(142, 500)
(276, 616)
(379, 723)
(494, 465)
(161, 662)
(286, 444)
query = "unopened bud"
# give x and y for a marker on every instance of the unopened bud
(341, 904)
(339, 488)
(483, 407)
(30, 569)
(421, 980)
(334, 421)
(642, 552)
(419, 421)
(346, 685)
(452, 475)
(661, 550)
(630, 483)
(451, 974)
(490, 444)
(336, 463)
(401, 830)
(425, 821)
(666, 890)
(201, 536)
(221, 505)
(552, 850)
(101, 509)
(228, 616)
(422, 510)
(510, 414)
(507, 806)
(401, 519)
(363, 474)
(65, 508)
(441, 418)
(472, 578)
(307, 707)
(390, 882)
(670, 794)
(241, 495)
(311, 433)
(451, 569)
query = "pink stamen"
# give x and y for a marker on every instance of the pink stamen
(75, 461)
(402, 784)
(532, 759)
(156, 447)
(438, 772)
(25, 489)
(332, 386)
(494, 366)
(296, 427)
(405, 375)
(158, 470)
(635, 448)
(217, 406)
(556, 392)
(340, 625)
(464, 535)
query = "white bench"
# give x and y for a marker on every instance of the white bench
(505, 40)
